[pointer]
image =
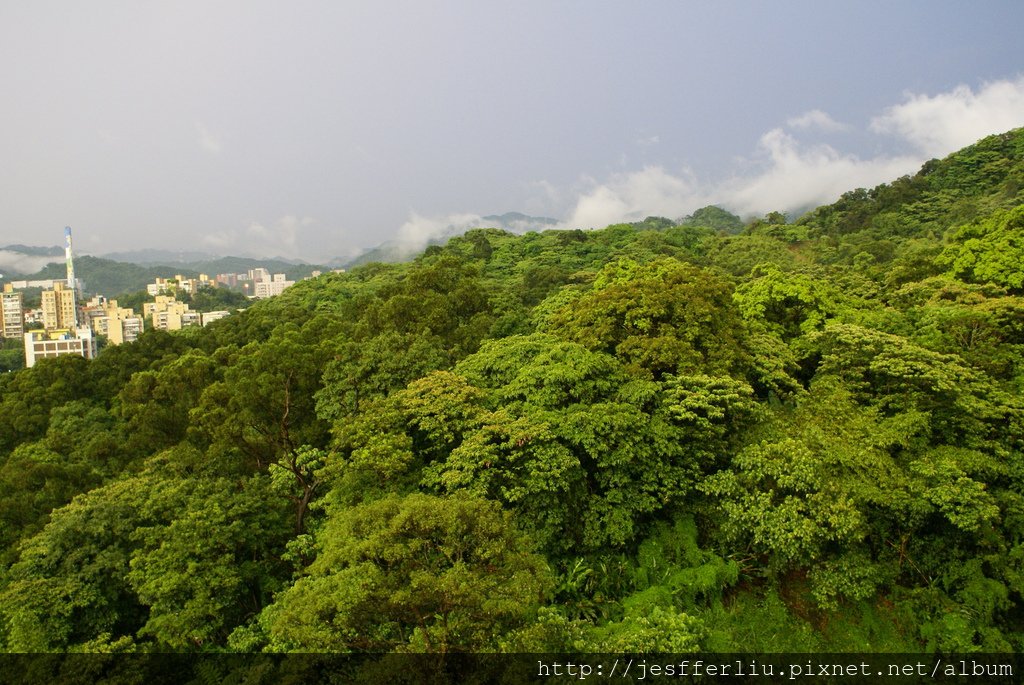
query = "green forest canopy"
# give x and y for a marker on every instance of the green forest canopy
(659, 437)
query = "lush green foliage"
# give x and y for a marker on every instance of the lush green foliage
(12, 354)
(668, 437)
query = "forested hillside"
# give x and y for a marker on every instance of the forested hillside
(114, 278)
(661, 437)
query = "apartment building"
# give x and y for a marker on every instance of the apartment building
(58, 307)
(167, 314)
(210, 317)
(57, 343)
(12, 313)
(270, 288)
(118, 324)
(160, 286)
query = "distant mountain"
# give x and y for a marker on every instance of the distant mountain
(200, 260)
(517, 222)
(35, 251)
(160, 257)
(112, 278)
(394, 251)
(236, 265)
(210, 264)
(108, 277)
(714, 217)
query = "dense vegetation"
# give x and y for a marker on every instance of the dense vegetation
(108, 277)
(653, 437)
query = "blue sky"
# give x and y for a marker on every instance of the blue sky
(315, 129)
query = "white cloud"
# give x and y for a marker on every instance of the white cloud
(799, 176)
(16, 262)
(418, 230)
(940, 124)
(791, 176)
(634, 196)
(208, 141)
(787, 174)
(816, 119)
(783, 174)
(220, 240)
(280, 239)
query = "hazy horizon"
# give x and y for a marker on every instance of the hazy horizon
(317, 130)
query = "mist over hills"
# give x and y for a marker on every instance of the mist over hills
(154, 256)
(16, 260)
(34, 262)
(418, 233)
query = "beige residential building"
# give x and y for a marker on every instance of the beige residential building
(12, 313)
(194, 285)
(59, 308)
(118, 324)
(57, 343)
(159, 286)
(167, 314)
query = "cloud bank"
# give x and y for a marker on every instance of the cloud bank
(788, 174)
(939, 124)
(783, 173)
(18, 263)
(799, 175)
(418, 230)
(633, 196)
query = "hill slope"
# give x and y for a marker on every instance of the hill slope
(967, 184)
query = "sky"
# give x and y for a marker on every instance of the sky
(315, 129)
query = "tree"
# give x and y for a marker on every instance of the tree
(157, 556)
(29, 396)
(262, 415)
(989, 250)
(659, 318)
(413, 573)
(69, 585)
(155, 405)
(264, 408)
(368, 369)
(789, 304)
(210, 563)
(34, 481)
(581, 451)
(714, 217)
